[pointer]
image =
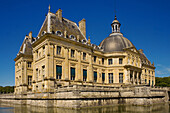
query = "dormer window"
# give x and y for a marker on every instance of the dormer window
(72, 37)
(53, 32)
(43, 33)
(58, 33)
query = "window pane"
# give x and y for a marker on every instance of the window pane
(110, 61)
(95, 76)
(120, 77)
(58, 72)
(72, 73)
(103, 77)
(110, 77)
(84, 75)
(120, 61)
(58, 50)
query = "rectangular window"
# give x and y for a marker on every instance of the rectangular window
(102, 60)
(29, 64)
(84, 56)
(95, 76)
(72, 53)
(110, 77)
(110, 62)
(43, 72)
(37, 74)
(145, 81)
(103, 77)
(58, 50)
(37, 55)
(120, 61)
(94, 59)
(29, 80)
(58, 72)
(84, 74)
(120, 77)
(44, 50)
(149, 82)
(73, 73)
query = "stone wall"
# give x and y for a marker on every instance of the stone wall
(78, 96)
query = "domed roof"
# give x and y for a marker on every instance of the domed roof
(115, 43)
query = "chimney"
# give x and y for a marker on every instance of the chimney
(82, 26)
(30, 35)
(59, 14)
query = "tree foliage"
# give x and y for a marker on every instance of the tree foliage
(162, 81)
(6, 89)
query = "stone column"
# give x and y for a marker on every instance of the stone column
(133, 79)
(137, 78)
(90, 69)
(66, 63)
(106, 76)
(128, 76)
(25, 73)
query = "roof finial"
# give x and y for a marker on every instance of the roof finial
(115, 9)
(49, 8)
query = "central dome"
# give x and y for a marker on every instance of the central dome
(115, 43)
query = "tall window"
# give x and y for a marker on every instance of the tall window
(149, 82)
(103, 77)
(29, 64)
(110, 62)
(95, 59)
(84, 74)
(73, 73)
(120, 61)
(110, 77)
(120, 77)
(72, 53)
(84, 56)
(37, 55)
(37, 74)
(58, 72)
(43, 72)
(145, 81)
(44, 50)
(102, 60)
(58, 50)
(95, 76)
(29, 80)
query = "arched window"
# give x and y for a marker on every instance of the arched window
(116, 27)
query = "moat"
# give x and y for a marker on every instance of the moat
(157, 108)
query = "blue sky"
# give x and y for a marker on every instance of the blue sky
(144, 22)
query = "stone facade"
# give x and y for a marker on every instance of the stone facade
(61, 68)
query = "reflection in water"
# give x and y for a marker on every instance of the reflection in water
(159, 108)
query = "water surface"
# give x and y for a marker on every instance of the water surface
(158, 108)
